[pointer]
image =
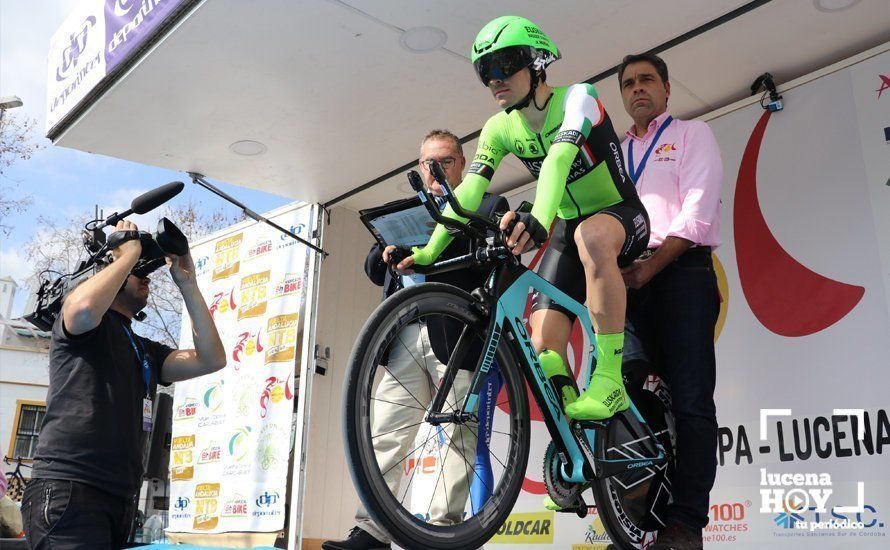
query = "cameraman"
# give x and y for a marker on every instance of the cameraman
(92, 449)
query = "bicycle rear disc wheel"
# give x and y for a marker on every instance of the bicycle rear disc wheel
(415, 478)
(633, 505)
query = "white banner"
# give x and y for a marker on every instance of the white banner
(232, 429)
(95, 39)
(75, 61)
(804, 273)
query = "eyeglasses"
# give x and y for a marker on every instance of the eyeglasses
(502, 64)
(445, 163)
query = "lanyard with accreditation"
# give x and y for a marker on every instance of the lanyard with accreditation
(635, 174)
(142, 359)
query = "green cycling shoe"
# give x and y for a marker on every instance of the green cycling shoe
(604, 398)
(605, 395)
(556, 372)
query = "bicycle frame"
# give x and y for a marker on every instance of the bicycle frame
(580, 444)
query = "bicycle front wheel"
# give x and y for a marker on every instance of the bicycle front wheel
(433, 486)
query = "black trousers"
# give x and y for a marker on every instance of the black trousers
(60, 515)
(670, 323)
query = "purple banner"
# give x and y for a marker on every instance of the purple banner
(128, 23)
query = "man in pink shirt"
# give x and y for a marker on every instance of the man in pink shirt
(672, 297)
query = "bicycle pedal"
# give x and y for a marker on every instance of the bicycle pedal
(580, 509)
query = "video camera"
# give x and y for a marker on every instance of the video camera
(44, 305)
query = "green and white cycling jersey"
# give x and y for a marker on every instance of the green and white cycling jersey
(576, 158)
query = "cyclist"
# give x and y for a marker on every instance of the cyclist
(566, 140)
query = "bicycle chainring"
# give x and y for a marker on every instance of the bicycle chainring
(563, 493)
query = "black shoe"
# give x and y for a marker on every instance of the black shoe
(677, 537)
(358, 539)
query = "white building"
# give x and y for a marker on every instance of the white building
(24, 378)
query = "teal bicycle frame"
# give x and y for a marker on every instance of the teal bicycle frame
(577, 442)
(580, 444)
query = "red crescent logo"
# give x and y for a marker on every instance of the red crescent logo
(786, 297)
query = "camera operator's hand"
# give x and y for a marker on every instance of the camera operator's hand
(83, 309)
(132, 249)
(182, 269)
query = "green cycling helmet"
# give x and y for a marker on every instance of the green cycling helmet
(509, 44)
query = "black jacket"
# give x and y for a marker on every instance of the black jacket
(442, 336)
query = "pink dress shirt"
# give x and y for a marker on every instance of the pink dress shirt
(680, 183)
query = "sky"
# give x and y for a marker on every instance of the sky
(64, 182)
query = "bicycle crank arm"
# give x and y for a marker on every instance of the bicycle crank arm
(580, 508)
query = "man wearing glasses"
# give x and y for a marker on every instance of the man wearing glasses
(395, 411)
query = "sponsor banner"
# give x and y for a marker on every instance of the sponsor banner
(526, 528)
(128, 23)
(595, 537)
(254, 292)
(290, 284)
(232, 428)
(282, 338)
(206, 507)
(227, 259)
(182, 458)
(92, 42)
(76, 60)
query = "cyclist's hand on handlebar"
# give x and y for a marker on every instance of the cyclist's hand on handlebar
(518, 237)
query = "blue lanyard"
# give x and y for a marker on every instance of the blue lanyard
(635, 174)
(142, 358)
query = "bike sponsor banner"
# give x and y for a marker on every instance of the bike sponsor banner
(232, 429)
(92, 42)
(804, 276)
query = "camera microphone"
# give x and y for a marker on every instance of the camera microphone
(146, 202)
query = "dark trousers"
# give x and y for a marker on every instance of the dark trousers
(61, 514)
(670, 322)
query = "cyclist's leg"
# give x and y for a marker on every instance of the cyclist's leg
(614, 235)
(599, 239)
(400, 401)
(551, 323)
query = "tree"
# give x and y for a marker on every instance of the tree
(15, 145)
(58, 249)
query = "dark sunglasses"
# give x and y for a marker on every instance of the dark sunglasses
(502, 64)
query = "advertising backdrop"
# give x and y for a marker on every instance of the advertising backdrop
(95, 39)
(232, 429)
(804, 274)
